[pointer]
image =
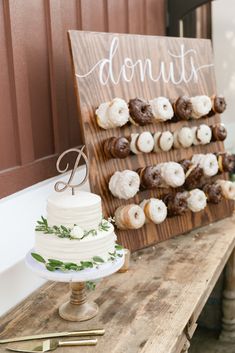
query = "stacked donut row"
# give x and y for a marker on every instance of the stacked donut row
(145, 142)
(154, 210)
(188, 173)
(117, 112)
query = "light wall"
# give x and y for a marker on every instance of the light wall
(223, 22)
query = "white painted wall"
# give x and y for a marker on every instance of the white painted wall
(223, 21)
(18, 215)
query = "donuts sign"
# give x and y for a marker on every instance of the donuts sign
(181, 66)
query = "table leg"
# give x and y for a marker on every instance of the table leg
(228, 319)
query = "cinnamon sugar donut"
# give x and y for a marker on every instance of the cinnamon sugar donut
(161, 108)
(140, 112)
(183, 108)
(129, 217)
(155, 210)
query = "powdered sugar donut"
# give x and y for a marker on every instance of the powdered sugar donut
(161, 108)
(203, 134)
(208, 162)
(201, 106)
(118, 112)
(145, 142)
(196, 200)
(172, 173)
(185, 137)
(163, 141)
(155, 210)
(125, 184)
(228, 189)
(129, 217)
(102, 116)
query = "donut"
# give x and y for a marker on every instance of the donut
(219, 132)
(140, 112)
(163, 141)
(145, 142)
(102, 116)
(176, 143)
(218, 105)
(203, 134)
(155, 210)
(125, 184)
(193, 174)
(195, 139)
(172, 174)
(129, 217)
(133, 146)
(228, 189)
(201, 106)
(176, 204)
(208, 162)
(112, 114)
(183, 108)
(184, 137)
(150, 177)
(196, 200)
(118, 113)
(185, 164)
(213, 192)
(161, 108)
(117, 147)
(225, 162)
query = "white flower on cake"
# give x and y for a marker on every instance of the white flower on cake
(77, 232)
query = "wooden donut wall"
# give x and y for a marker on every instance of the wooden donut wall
(87, 51)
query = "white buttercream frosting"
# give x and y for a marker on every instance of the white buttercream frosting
(50, 246)
(83, 209)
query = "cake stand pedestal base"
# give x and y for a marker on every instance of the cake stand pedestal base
(78, 308)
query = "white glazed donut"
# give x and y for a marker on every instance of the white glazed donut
(176, 143)
(228, 189)
(161, 108)
(155, 210)
(133, 146)
(173, 174)
(185, 136)
(125, 184)
(129, 217)
(203, 134)
(195, 139)
(102, 116)
(112, 114)
(145, 142)
(196, 200)
(163, 141)
(201, 106)
(208, 162)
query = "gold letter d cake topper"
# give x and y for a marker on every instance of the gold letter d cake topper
(62, 185)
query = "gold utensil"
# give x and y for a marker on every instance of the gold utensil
(95, 332)
(51, 345)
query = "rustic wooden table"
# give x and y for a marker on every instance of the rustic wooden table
(152, 308)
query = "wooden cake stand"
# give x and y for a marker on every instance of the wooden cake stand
(77, 308)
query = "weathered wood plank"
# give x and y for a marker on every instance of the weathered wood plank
(146, 309)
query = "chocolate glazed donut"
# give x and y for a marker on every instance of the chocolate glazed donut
(218, 105)
(140, 112)
(117, 147)
(150, 177)
(226, 162)
(219, 132)
(213, 192)
(193, 174)
(176, 204)
(183, 108)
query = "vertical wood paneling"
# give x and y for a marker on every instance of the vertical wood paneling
(38, 111)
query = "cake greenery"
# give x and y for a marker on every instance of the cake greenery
(64, 232)
(53, 265)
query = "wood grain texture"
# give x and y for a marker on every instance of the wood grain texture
(91, 93)
(144, 310)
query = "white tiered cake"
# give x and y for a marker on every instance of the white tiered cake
(74, 231)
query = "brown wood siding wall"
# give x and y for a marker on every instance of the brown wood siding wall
(38, 114)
